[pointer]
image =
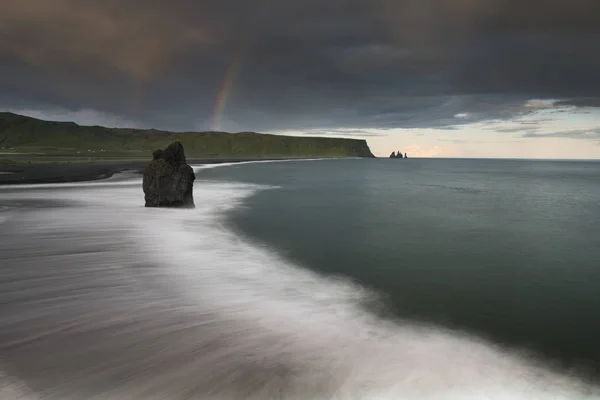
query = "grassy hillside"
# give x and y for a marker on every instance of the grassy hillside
(29, 135)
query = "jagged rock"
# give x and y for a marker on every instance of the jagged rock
(398, 155)
(168, 180)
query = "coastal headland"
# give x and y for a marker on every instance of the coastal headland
(38, 151)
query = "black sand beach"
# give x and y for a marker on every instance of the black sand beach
(62, 172)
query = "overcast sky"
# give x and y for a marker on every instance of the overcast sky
(457, 78)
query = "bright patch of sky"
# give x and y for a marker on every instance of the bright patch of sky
(542, 131)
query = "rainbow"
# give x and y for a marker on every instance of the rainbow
(227, 82)
(224, 90)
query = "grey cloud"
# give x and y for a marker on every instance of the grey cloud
(464, 141)
(137, 40)
(583, 102)
(584, 134)
(83, 117)
(521, 129)
(300, 65)
(342, 132)
(536, 121)
(513, 130)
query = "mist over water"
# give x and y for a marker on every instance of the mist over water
(105, 299)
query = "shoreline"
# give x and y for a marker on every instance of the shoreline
(68, 172)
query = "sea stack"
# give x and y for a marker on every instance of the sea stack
(168, 180)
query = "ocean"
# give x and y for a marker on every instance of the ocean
(319, 279)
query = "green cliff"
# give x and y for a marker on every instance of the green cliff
(24, 134)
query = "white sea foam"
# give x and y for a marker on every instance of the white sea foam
(228, 164)
(4, 213)
(223, 317)
(13, 389)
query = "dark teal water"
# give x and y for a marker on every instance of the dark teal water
(508, 250)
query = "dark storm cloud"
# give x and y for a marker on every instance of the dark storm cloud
(302, 64)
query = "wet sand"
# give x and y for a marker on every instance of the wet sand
(61, 172)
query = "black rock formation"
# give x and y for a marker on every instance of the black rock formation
(398, 155)
(168, 180)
